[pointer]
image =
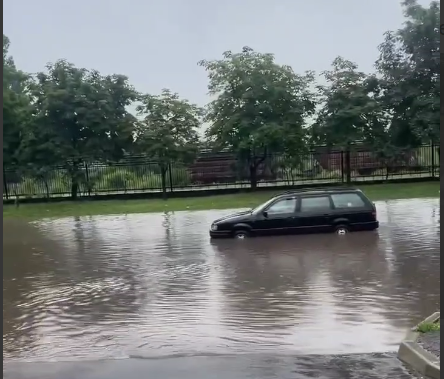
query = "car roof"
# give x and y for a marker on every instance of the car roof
(315, 191)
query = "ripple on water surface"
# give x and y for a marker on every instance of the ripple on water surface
(156, 286)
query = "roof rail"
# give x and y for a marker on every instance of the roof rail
(311, 189)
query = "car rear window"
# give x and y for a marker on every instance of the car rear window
(315, 204)
(347, 200)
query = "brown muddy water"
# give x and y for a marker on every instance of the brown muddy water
(156, 286)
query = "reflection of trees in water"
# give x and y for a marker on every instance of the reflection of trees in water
(417, 268)
(274, 279)
(265, 281)
(185, 264)
(360, 276)
(28, 262)
(72, 280)
(102, 272)
(399, 284)
(414, 235)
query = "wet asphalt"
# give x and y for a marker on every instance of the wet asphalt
(368, 366)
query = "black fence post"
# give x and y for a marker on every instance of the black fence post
(5, 184)
(88, 184)
(170, 173)
(342, 167)
(348, 165)
(433, 159)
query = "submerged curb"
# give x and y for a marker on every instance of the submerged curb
(412, 354)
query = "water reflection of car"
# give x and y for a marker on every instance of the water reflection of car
(339, 210)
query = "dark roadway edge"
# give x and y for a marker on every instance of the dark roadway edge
(356, 366)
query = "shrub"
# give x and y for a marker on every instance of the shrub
(180, 177)
(59, 183)
(28, 188)
(118, 179)
(148, 181)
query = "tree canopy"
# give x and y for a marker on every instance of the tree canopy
(408, 68)
(16, 107)
(259, 105)
(168, 131)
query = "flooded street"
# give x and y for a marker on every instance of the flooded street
(155, 286)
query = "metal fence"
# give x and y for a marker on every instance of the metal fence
(212, 171)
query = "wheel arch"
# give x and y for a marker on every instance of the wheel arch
(242, 226)
(341, 221)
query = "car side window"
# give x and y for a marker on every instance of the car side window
(315, 204)
(283, 206)
(347, 200)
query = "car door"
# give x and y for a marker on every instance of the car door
(315, 214)
(278, 218)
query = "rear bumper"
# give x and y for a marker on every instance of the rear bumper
(367, 226)
(220, 234)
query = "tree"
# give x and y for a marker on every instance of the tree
(80, 116)
(168, 130)
(349, 114)
(16, 107)
(260, 106)
(409, 67)
(347, 106)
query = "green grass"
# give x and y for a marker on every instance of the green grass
(241, 200)
(427, 327)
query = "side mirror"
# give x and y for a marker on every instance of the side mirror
(265, 213)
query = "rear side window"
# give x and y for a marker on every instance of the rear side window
(315, 204)
(348, 200)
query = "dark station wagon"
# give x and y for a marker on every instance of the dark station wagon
(338, 210)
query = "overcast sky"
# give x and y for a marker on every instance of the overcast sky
(158, 43)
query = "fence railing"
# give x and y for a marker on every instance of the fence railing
(213, 171)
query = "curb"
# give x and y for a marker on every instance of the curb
(412, 354)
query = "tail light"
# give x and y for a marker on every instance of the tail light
(374, 213)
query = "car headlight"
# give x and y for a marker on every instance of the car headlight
(214, 227)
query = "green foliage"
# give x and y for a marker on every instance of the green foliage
(16, 107)
(260, 106)
(409, 68)
(168, 131)
(349, 113)
(180, 177)
(78, 114)
(117, 178)
(427, 327)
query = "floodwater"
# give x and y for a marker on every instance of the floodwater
(155, 286)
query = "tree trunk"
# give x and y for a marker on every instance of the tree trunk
(74, 188)
(74, 180)
(253, 177)
(47, 189)
(163, 172)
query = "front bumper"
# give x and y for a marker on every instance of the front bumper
(220, 234)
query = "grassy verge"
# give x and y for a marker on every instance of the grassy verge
(427, 327)
(241, 200)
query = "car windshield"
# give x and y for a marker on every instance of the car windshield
(262, 206)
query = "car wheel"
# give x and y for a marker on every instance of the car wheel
(241, 234)
(342, 230)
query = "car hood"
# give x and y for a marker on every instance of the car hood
(233, 216)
